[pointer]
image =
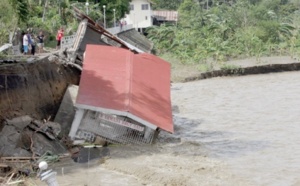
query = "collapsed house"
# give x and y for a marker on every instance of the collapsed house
(123, 97)
(127, 99)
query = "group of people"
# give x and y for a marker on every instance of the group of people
(29, 41)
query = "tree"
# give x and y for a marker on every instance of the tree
(8, 20)
(222, 29)
(189, 13)
(166, 4)
(21, 9)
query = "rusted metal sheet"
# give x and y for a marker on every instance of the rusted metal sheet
(119, 82)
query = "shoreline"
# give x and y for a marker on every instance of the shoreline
(240, 67)
(240, 71)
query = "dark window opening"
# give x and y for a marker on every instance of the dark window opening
(145, 6)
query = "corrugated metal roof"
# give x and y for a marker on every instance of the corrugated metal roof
(117, 81)
(167, 14)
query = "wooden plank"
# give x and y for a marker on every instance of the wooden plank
(22, 158)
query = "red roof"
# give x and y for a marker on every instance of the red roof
(117, 81)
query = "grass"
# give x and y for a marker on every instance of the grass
(180, 71)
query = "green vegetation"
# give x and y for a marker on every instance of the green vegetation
(166, 4)
(50, 15)
(208, 31)
(220, 30)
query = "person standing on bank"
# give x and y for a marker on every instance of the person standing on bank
(40, 43)
(21, 37)
(59, 36)
(29, 40)
(32, 44)
(25, 44)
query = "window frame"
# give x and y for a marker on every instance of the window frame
(145, 7)
(131, 7)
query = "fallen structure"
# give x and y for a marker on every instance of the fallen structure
(123, 97)
(91, 33)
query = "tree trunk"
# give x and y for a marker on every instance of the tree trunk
(44, 12)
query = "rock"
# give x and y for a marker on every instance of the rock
(15, 142)
(10, 143)
(20, 122)
(42, 144)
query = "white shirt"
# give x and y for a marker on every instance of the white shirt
(25, 40)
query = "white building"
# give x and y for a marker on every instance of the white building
(140, 15)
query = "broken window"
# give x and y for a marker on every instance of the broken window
(145, 6)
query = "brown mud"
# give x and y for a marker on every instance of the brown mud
(34, 89)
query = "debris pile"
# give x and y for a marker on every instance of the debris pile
(24, 142)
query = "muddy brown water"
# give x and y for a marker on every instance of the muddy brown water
(252, 123)
(229, 131)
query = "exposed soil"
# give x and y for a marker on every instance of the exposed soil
(34, 89)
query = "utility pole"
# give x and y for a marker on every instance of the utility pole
(114, 17)
(104, 16)
(87, 8)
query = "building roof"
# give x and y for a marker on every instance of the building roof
(91, 24)
(167, 14)
(117, 81)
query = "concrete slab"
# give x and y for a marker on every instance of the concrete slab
(20, 122)
(66, 111)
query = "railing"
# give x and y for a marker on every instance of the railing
(118, 29)
(68, 41)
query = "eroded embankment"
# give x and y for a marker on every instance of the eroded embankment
(34, 89)
(262, 69)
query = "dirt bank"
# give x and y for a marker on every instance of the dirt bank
(240, 71)
(192, 72)
(34, 89)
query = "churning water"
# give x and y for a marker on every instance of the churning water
(252, 123)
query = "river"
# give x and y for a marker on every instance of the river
(252, 123)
